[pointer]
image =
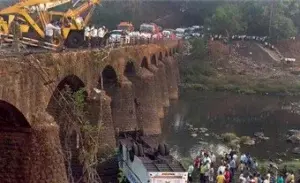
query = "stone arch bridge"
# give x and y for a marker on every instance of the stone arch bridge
(127, 89)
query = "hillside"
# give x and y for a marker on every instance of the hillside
(242, 67)
(290, 48)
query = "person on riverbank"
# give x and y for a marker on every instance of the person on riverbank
(255, 177)
(197, 162)
(190, 172)
(211, 173)
(290, 177)
(259, 179)
(203, 169)
(242, 166)
(227, 175)
(232, 167)
(206, 157)
(222, 168)
(213, 157)
(268, 178)
(242, 178)
(280, 179)
(220, 178)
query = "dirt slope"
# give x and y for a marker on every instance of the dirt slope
(290, 48)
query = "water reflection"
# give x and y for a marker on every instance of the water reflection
(239, 114)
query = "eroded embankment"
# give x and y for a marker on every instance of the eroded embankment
(242, 67)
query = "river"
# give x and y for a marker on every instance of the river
(243, 115)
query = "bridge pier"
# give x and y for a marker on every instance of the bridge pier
(158, 90)
(46, 157)
(100, 105)
(146, 110)
(124, 113)
(172, 78)
(176, 67)
(163, 84)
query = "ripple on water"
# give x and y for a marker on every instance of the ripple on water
(235, 113)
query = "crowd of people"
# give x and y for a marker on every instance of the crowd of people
(94, 37)
(232, 168)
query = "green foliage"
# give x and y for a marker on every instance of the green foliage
(228, 137)
(79, 99)
(73, 121)
(254, 14)
(282, 27)
(227, 20)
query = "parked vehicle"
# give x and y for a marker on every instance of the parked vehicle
(151, 29)
(180, 32)
(126, 26)
(119, 36)
(169, 34)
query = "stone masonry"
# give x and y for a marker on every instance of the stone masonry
(134, 101)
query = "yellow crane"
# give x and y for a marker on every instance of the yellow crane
(34, 15)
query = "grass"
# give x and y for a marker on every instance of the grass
(291, 166)
(208, 78)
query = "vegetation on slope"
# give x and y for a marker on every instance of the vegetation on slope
(211, 67)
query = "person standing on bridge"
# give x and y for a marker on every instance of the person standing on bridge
(94, 35)
(100, 36)
(49, 31)
(87, 35)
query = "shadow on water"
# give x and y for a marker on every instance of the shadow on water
(222, 112)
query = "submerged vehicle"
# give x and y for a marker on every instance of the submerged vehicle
(143, 160)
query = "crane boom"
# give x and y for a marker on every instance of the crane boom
(36, 15)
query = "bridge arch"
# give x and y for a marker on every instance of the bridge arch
(10, 116)
(153, 60)
(109, 79)
(166, 53)
(160, 56)
(14, 143)
(60, 108)
(110, 84)
(130, 69)
(144, 63)
(170, 52)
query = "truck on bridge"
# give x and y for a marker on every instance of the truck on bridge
(143, 160)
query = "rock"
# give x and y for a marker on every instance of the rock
(194, 129)
(228, 137)
(259, 134)
(247, 141)
(293, 132)
(203, 143)
(194, 135)
(265, 138)
(296, 150)
(203, 130)
(294, 139)
(206, 135)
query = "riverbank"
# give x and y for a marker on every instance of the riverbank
(243, 67)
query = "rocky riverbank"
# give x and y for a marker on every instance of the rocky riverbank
(242, 67)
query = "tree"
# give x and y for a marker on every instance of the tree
(254, 15)
(227, 20)
(282, 27)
